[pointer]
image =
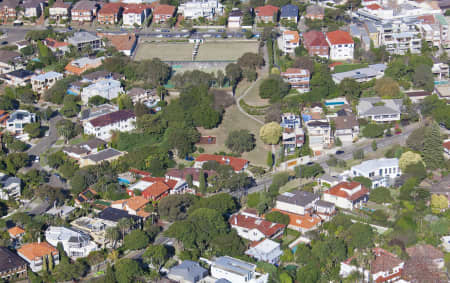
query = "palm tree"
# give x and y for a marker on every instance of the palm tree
(124, 225)
(113, 235)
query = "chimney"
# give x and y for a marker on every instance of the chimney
(39, 239)
(235, 220)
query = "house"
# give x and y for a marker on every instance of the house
(380, 110)
(289, 13)
(60, 10)
(382, 171)
(84, 11)
(135, 14)
(425, 264)
(431, 254)
(83, 149)
(293, 136)
(99, 76)
(125, 43)
(162, 13)
(79, 66)
(95, 228)
(238, 164)
(11, 187)
(346, 128)
(141, 95)
(266, 250)
(33, 8)
(42, 82)
(36, 253)
(341, 45)
(328, 180)
(297, 78)
(9, 61)
(301, 223)
(110, 13)
(417, 96)
(236, 271)
(235, 18)
(8, 10)
(201, 9)
(255, 228)
(180, 175)
(84, 39)
(114, 215)
(63, 211)
(155, 188)
(324, 209)
(56, 46)
(319, 134)
(266, 14)
(17, 78)
(18, 119)
(315, 42)
(290, 40)
(134, 205)
(440, 70)
(97, 111)
(446, 146)
(102, 126)
(86, 196)
(16, 232)
(108, 89)
(315, 12)
(12, 266)
(298, 202)
(188, 271)
(108, 154)
(375, 71)
(75, 243)
(347, 195)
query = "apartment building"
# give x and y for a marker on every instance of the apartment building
(236, 271)
(8, 11)
(341, 45)
(110, 13)
(297, 78)
(201, 8)
(18, 119)
(162, 13)
(289, 41)
(401, 36)
(75, 243)
(102, 126)
(319, 133)
(83, 39)
(382, 171)
(84, 11)
(135, 14)
(267, 14)
(108, 89)
(315, 42)
(36, 253)
(60, 10)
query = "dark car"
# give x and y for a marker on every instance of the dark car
(310, 163)
(339, 152)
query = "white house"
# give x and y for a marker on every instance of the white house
(44, 81)
(235, 18)
(201, 8)
(381, 171)
(298, 202)
(347, 195)
(267, 250)
(102, 126)
(255, 228)
(289, 41)
(341, 45)
(36, 253)
(108, 89)
(17, 78)
(236, 271)
(11, 187)
(75, 243)
(319, 133)
(135, 14)
(18, 119)
(374, 71)
(346, 128)
(446, 243)
(380, 110)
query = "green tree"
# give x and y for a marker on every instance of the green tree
(350, 89)
(269, 159)
(433, 152)
(381, 195)
(374, 145)
(156, 255)
(415, 140)
(373, 131)
(223, 203)
(358, 154)
(110, 277)
(366, 182)
(202, 182)
(135, 240)
(277, 217)
(234, 74)
(423, 77)
(387, 87)
(97, 100)
(127, 270)
(70, 107)
(33, 129)
(240, 141)
(66, 129)
(274, 88)
(270, 133)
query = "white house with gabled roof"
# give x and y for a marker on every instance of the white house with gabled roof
(381, 171)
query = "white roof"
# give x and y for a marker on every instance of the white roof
(56, 234)
(104, 85)
(141, 186)
(46, 76)
(375, 164)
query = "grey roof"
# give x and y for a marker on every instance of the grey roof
(114, 214)
(85, 5)
(371, 28)
(103, 155)
(367, 106)
(11, 180)
(222, 280)
(289, 11)
(32, 3)
(329, 178)
(315, 10)
(297, 197)
(92, 143)
(82, 36)
(355, 31)
(323, 203)
(234, 265)
(75, 149)
(190, 271)
(370, 71)
(10, 261)
(22, 73)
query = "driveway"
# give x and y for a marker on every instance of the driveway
(45, 143)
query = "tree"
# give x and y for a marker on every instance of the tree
(97, 100)
(66, 129)
(125, 102)
(156, 255)
(223, 203)
(136, 240)
(308, 171)
(304, 62)
(416, 170)
(113, 235)
(250, 61)
(415, 140)
(350, 89)
(175, 207)
(277, 217)
(409, 158)
(202, 182)
(182, 140)
(387, 87)
(274, 88)
(240, 141)
(270, 133)
(373, 131)
(70, 107)
(423, 77)
(433, 152)
(381, 195)
(234, 74)
(269, 159)
(338, 142)
(374, 145)
(109, 275)
(359, 236)
(358, 154)
(126, 270)
(33, 129)
(438, 203)
(366, 182)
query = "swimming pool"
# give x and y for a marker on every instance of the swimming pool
(123, 181)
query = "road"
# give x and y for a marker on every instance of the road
(45, 143)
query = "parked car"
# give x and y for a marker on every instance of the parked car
(339, 152)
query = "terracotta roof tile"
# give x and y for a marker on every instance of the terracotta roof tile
(296, 36)
(164, 10)
(374, 7)
(15, 231)
(266, 11)
(122, 42)
(110, 8)
(384, 261)
(303, 221)
(37, 250)
(268, 228)
(111, 118)
(314, 38)
(340, 190)
(447, 145)
(339, 37)
(135, 203)
(237, 163)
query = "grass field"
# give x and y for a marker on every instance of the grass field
(235, 120)
(182, 51)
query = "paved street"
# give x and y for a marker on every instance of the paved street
(45, 143)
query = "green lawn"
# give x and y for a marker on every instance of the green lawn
(349, 67)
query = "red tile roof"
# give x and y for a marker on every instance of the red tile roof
(135, 8)
(61, 4)
(54, 43)
(268, 228)
(16, 231)
(164, 10)
(140, 172)
(339, 37)
(384, 261)
(34, 251)
(295, 71)
(111, 118)
(266, 11)
(122, 42)
(339, 190)
(304, 222)
(314, 38)
(110, 8)
(237, 163)
(447, 145)
(427, 19)
(374, 7)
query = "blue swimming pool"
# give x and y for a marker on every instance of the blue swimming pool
(123, 181)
